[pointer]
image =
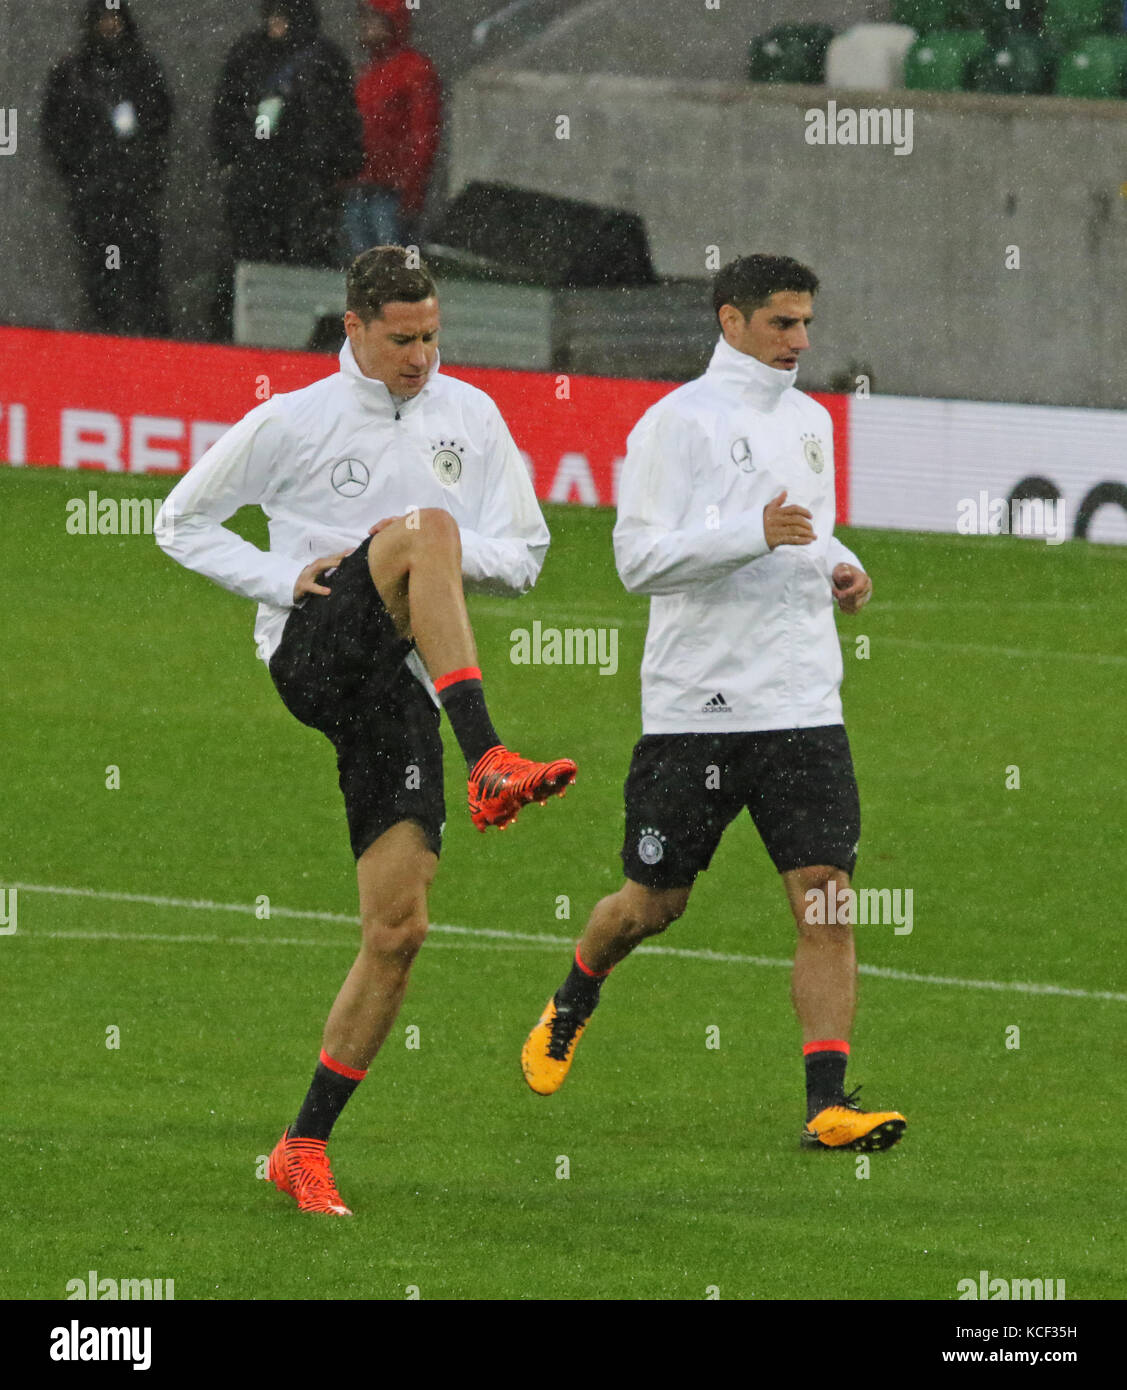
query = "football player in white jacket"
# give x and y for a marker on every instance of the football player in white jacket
(725, 517)
(388, 487)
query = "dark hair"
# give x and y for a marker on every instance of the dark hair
(748, 282)
(382, 275)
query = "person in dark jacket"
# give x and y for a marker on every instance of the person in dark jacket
(287, 134)
(106, 120)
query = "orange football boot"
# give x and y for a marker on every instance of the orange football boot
(546, 1055)
(300, 1169)
(847, 1126)
(501, 782)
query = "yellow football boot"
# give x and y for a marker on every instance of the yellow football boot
(546, 1055)
(847, 1126)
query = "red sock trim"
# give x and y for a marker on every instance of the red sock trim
(467, 673)
(340, 1068)
(826, 1045)
(594, 974)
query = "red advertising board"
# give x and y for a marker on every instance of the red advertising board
(75, 400)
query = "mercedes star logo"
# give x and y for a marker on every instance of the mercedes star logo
(350, 477)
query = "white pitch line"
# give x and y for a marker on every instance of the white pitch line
(513, 941)
(578, 617)
(1008, 653)
(187, 939)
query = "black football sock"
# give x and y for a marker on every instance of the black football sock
(580, 991)
(463, 699)
(332, 1088)
(825, 1073)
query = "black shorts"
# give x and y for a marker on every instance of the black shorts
(341, 668)
(683, 790)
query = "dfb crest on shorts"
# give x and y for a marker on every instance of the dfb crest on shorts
(815, 454)
(651, 847)
(448, 462)
(350, 477)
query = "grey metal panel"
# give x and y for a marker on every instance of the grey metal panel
(488, 325)
(657, 331)
(665, 330)
(278, 305)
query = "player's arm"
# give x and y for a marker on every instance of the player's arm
(503, 550)
(668, 536)
(235, 472)
(852, 587)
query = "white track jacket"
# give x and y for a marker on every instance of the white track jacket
(327, 462)
(740, 637)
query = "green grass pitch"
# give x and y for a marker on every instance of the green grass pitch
(685, 1176)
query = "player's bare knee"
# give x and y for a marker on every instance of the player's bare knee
(816, 894)
(817, 876)
(397, 934)
(648, 913)
(434, 526)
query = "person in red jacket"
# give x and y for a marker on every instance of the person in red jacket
(400, 101)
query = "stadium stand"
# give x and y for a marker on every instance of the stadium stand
(1067, 47)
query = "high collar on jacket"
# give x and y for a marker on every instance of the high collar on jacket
(373, 394)
(762, 386)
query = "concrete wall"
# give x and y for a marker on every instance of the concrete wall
(911, 248)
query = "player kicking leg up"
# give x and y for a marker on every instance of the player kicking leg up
(416, 565)
(340, 667)
(353, 641)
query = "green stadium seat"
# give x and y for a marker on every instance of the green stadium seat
(790, 53)
(941, 62)
(992, 16)
(998, 22)
(924, 16)
(1095, 68)
(1023, 64)
(1070, 20)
